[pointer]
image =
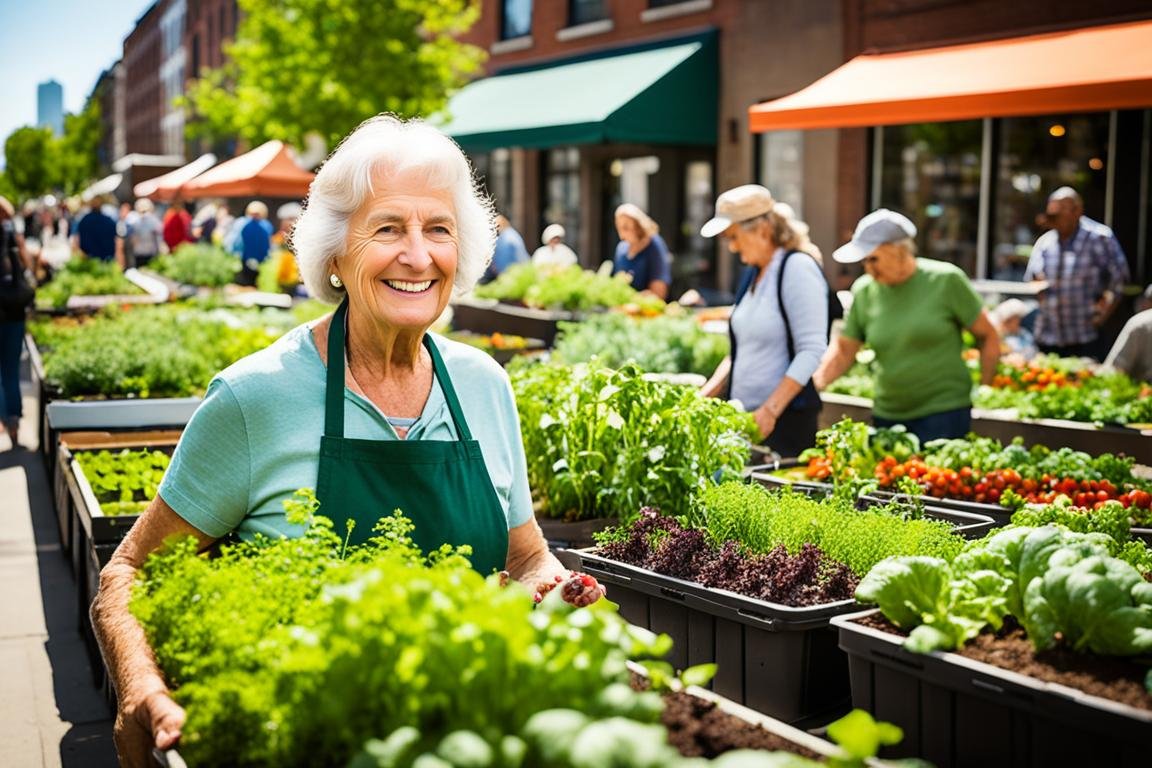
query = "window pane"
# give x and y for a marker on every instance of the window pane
(782, 167)
(662, 3)
(517, 18)
(1039, 154)
(931, 174)
(562, 197)
(586, 11)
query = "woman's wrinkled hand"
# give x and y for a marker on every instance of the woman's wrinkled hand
(154, 723)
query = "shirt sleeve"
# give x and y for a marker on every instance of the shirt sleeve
(1035, 266)
(1126, 351)
(806, 301)
(1116, 264)
(853, 327)
(519, 496)
(661, 267)
(966, 303)
(208, 482)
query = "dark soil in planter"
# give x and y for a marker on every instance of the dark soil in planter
(1115, 679)
(699, 728)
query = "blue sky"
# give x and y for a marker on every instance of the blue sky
(70, 41)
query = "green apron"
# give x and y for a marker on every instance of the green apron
(442, 486)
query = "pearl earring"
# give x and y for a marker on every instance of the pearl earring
(335, 280)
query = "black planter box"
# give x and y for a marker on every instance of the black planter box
(958, 712)
(487, 316)
(772, 658)
(764, 475)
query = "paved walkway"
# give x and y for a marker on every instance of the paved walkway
(51, 713)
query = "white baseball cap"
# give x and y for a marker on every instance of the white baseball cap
(874, 230)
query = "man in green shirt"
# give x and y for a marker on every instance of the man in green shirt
(912, 313)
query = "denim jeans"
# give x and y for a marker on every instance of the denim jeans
(11, 344)
(934, 426)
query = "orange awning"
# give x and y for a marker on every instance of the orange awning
(165, 187)
(1085, 70)
(267, 171)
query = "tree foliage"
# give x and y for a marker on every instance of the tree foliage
(39, 162)
(76, 150)
(304, 66)
(30, 161)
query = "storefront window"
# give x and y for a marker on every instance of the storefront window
(494, 170)
(931, 174)
(517, 19)
(1037, 155)
(562, 196)
(782, 167)
(697, 267)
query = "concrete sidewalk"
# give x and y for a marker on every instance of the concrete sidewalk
(51, 712)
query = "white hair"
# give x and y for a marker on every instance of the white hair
(387, 145)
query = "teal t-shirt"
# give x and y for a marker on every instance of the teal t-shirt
(915, 329)
(255, 440)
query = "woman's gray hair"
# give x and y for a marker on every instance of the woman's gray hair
(908, 245)
(388, 145)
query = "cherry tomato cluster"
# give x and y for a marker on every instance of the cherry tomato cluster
(1034, 378)
(989, 487)
(819, 468)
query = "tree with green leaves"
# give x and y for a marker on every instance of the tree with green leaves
(31, 163)
(76, 151)
(299, 67)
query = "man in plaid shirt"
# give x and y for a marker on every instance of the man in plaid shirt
(1085, 269)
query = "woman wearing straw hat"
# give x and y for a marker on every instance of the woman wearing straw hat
(779, 323)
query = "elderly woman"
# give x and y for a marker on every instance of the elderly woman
(641, 253)
(779, 323)
(365, 404)
(912, 313)
(553, 253)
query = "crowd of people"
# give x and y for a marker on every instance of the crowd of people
(913, 312)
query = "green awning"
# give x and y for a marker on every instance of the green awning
(659, 96)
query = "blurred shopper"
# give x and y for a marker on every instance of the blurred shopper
(510, 249)
(1085, 269)
(177, 226)
(16, 295)
(779, 323)
(552, 251)
(146, 237)
(255, 242)
(96, 236)
(1008, 320)
(642, 253)
(912, 313)
(1132, 352)
(224, 222)
(287, 271)
(204, 223)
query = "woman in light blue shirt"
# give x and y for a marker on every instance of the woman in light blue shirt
(779, 323)
(365, 405)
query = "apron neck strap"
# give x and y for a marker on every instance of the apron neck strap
(449, 391)
(334, 392)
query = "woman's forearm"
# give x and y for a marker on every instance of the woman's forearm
(718, 382)
(837, 360)
(123, 644)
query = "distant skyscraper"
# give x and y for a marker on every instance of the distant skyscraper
(50, 106)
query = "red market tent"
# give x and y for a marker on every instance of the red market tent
(167, 187)
(1083, 70)
(267, 171)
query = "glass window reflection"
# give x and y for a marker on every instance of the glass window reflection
(517, 19)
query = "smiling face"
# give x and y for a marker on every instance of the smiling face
(401, 252)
